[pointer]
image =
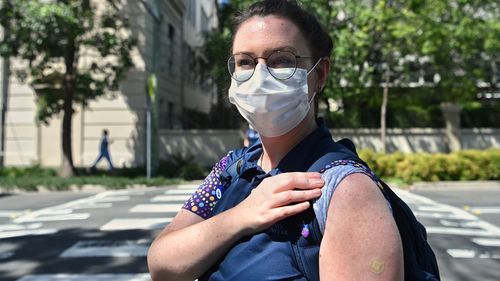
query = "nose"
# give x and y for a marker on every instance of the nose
(260, 60)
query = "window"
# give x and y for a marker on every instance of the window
(205, 25)
(191, 12)
(171, 49)
(166, 115)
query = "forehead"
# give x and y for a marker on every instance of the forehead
(260, 35)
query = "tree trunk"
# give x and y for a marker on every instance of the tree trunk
(383, 111)
(67, 167)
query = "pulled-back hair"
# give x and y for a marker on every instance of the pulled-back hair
(318, 40)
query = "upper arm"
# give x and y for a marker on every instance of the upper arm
(361, 239)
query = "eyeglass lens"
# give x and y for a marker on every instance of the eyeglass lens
(242, 66)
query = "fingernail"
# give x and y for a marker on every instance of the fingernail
(318, 182)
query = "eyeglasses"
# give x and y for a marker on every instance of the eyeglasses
(242, 66)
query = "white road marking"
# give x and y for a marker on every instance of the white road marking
(96, 205)
(10, 227)
(45, 218)
(108, 248)
(186, 192)
(489, 256)
(432, 208)
(143, 223)
(448, 216)
(87, 277)
(461, 253)
(487, 242)
(485, 210)
(188, 186)
(18, 233)
(115, 198)
(169, 198)
(156, 208)
(466, 224)
(459, 231)
(10, 213)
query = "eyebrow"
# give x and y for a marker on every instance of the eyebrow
(270, 51)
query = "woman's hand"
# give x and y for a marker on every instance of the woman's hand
(277, 198)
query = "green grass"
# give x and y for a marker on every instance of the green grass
(33, 183)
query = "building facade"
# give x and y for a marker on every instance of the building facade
(168, 34)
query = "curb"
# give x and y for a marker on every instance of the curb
(87, 188)
(455, 185)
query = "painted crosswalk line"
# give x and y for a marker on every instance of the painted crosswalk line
(487, 242)
(186, 192)
(87, 277)
(156, 208)
(459, 231)
(170, 198)
(108, 248)
(188, 186)
(29, 232)
(11, 213)
(11, 227)
(484, 210)
(461, 253)
(129, 224)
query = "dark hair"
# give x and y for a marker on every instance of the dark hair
(105, 131)
(319, 41)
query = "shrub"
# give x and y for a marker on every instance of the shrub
(192, 171)
(463, 165)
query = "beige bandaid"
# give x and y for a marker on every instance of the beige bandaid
(377, 266)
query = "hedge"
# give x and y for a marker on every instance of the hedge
(458, 166)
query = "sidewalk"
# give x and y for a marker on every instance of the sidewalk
(455, 185)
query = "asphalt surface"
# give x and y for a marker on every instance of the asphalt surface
(104, 236)
(463, 224)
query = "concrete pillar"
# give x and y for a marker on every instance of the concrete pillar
(451, 112)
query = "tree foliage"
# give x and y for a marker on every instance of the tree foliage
(67, 36)
(75, 51)
(454, 44)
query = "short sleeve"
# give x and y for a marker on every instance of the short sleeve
(333, 174)
(203, 200)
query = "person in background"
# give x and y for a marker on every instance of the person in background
(247, 228)
(104, 150)
(251, 136)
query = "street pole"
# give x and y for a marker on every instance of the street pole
(148, 140)
(152, 86)
(154, 12)
(4, 96)
(3, 109)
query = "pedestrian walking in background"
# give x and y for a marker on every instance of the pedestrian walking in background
(104, 150)
(251, 136)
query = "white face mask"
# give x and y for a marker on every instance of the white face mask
(273, 107)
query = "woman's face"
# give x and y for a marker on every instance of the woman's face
(261, 36)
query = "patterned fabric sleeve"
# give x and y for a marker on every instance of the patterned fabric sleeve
(333, 174)
(208, 193)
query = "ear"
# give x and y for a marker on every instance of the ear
(323, 70)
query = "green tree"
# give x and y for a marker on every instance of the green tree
(379, 45)
(461, 38)
(76, 52)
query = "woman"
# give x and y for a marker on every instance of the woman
(279, 64)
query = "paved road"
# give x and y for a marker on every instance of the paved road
(463, 226)
(105, 236)
(83, 236)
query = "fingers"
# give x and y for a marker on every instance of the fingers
(288, 211)
(293, 196)
(295, 180)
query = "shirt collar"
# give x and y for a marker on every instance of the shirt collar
(300, 158)
(310, 149)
